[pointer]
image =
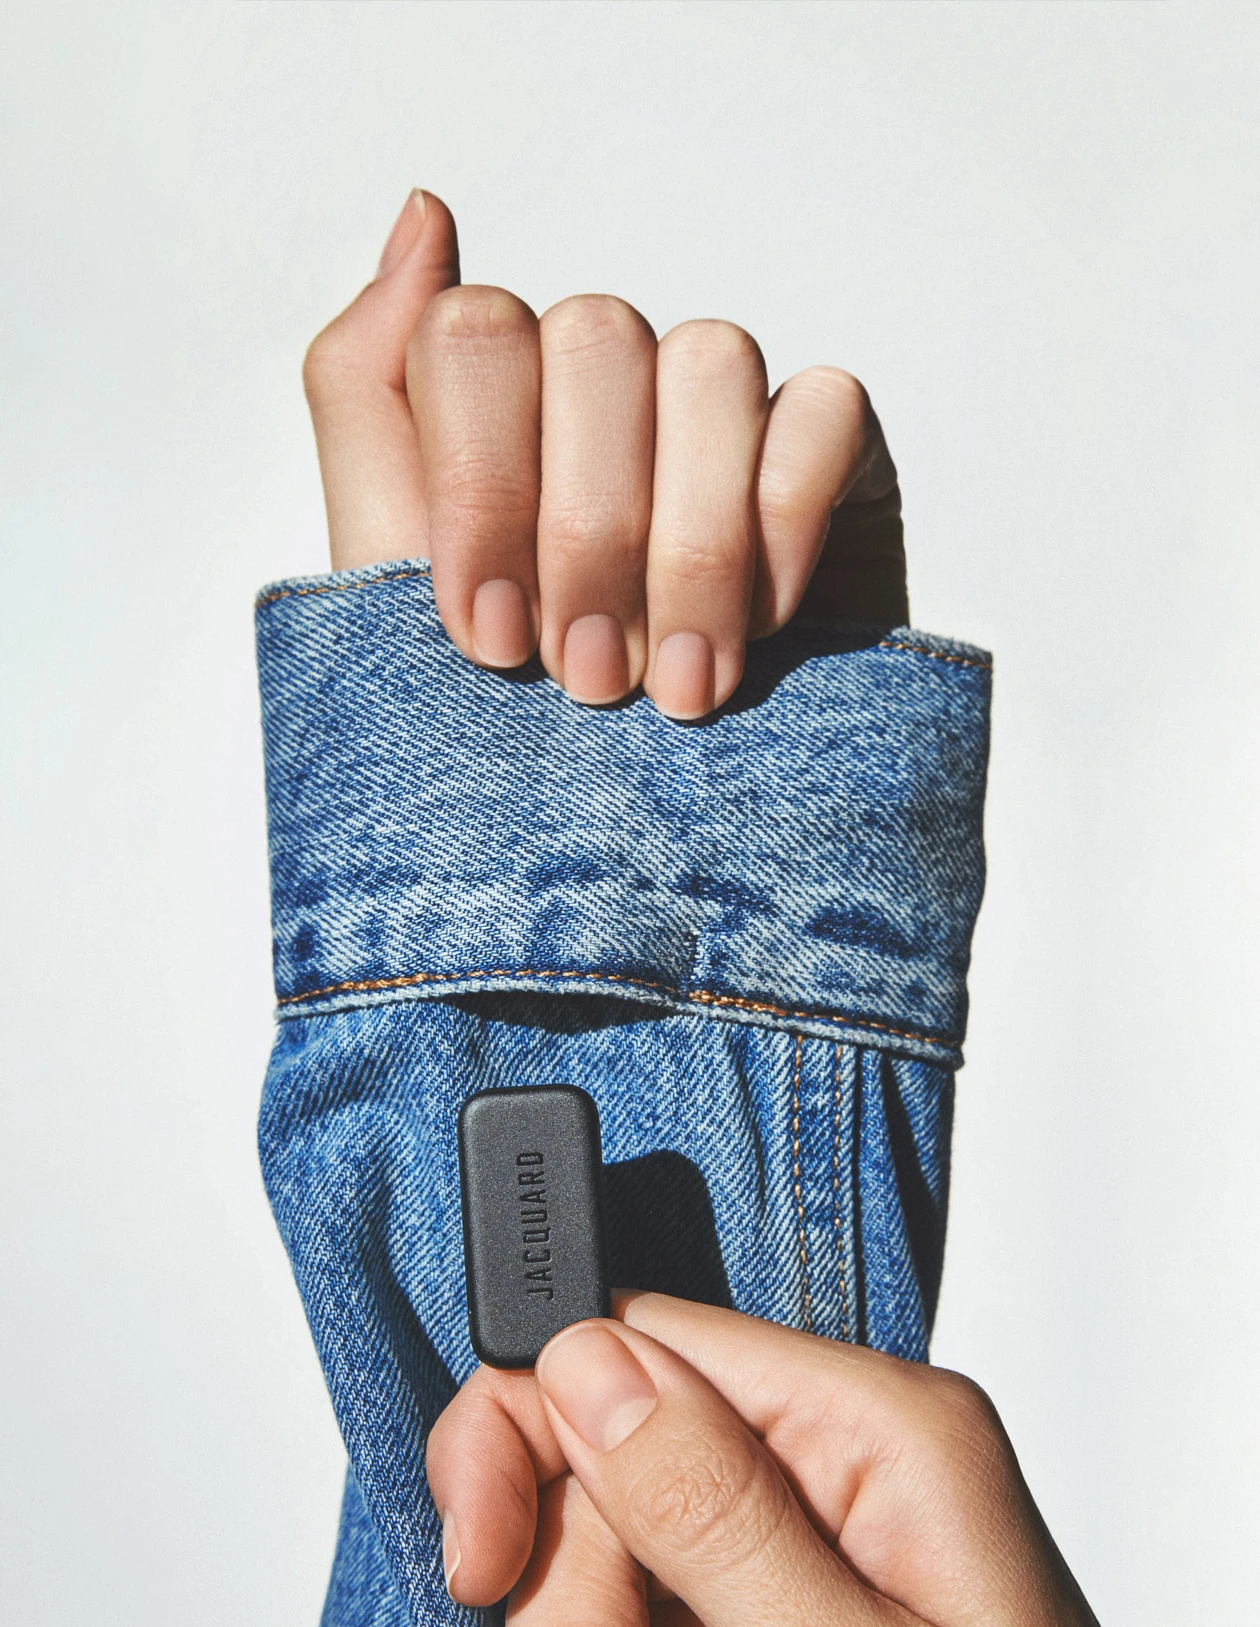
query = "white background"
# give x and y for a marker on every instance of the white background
(1033, 231)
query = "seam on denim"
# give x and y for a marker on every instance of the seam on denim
(796, 1180)
(405, 576)
(835, 1205)
(703, 997)
(936, 655)
(337, 587)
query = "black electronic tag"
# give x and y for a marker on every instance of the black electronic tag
(534, 1258)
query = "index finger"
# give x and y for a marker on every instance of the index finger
(355, 378)
(487, 1455)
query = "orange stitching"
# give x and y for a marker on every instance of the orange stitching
(796, 1181)
(698, 996)
(936, 655)
(338, 587)
(835, 1207)
(705, 998)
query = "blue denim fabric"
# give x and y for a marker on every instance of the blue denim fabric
(747, 939)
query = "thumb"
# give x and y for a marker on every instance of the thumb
(355, 375)
(688, 1489)
(419, 260)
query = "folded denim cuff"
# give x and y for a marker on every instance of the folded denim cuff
(809, 858)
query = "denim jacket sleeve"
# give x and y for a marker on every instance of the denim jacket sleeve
(747, 939)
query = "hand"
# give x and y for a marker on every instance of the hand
(632, 511)
(692, 1465)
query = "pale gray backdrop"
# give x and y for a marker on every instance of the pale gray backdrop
(1033, 231)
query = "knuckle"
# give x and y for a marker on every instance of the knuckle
(330, 364)
(481, 490)
(698, 561)
(475, 312)
(708, 346)
(479, 500)
(591, 323)
(782, 502)
(704, 1498)
(959, 1395)
(579, 529)
(964, 1424)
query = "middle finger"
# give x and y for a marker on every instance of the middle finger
(711, 405)
(579, 1572)
(598, 410)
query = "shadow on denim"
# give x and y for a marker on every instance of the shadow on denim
(662, 1236)
(554, 1013)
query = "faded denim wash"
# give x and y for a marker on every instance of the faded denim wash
(747, 939)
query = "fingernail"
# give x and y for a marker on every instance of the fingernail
(683, 678)
(450, 1548)
(596, 1385)
(596, 665)
(406, 230)
(502, 633)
